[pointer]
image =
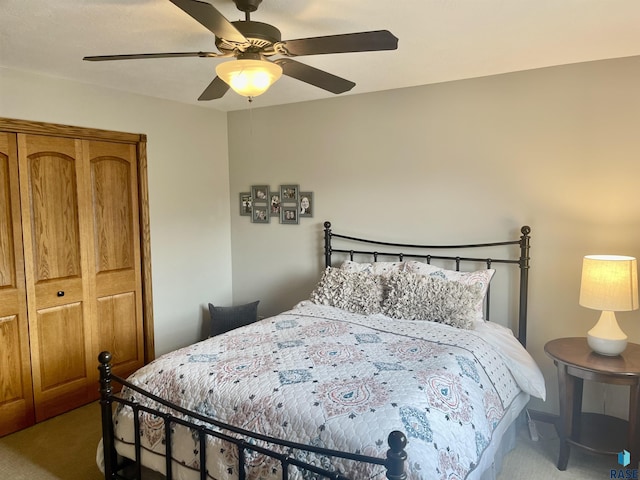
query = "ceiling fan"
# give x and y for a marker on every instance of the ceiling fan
(252, 43)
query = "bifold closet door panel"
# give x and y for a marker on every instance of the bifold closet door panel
(51, 170)
(74, 240)
(115, 253)
(16, 396)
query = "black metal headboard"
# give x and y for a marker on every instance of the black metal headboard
(421, 252)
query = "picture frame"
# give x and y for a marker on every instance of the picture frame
(289, 214)
(260, 214)
(289, 194)
(260, 194)
(287, 203)
(274, 204)
(245, 204)
(306, 205)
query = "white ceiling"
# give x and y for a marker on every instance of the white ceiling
(439, 40)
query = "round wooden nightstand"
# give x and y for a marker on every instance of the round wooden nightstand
(598, 433)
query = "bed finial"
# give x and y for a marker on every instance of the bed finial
(327, 225)
(396, 456)
(526, 230)
(104, 358)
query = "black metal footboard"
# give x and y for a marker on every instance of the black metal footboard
(206, 427)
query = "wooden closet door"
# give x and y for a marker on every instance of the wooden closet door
(59, 315)
(112, 205)
(16, 396)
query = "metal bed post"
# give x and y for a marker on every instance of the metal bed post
(107, 420)
(524, 283)
(396, 456)
(327, 244)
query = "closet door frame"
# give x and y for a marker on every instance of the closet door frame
(140, 141)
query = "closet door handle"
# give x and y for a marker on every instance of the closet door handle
(60, 293)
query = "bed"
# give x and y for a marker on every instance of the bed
(391, 369)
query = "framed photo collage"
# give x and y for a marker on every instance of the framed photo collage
(288, 204)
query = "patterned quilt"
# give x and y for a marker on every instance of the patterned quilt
(318, 375)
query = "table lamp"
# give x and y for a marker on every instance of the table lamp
(609, 283)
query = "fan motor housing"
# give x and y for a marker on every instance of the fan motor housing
(260, 35)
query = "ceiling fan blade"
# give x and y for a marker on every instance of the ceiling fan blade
(216, 89)
(212, 19)
(348, 42)
(314, 76)
(138, 56)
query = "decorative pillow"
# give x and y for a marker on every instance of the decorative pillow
(356, 292)
(418, 297)
(479, 277)
(375, 268)
(224, 319)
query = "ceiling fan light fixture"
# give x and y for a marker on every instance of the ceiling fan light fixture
(249, 77)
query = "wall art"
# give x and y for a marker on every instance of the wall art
(286, 203)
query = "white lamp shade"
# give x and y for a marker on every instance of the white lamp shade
(249, 77)
(609, 282)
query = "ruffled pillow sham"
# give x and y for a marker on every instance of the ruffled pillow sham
(412, 296)
(481, 278)
(368, 288)
(356, 292)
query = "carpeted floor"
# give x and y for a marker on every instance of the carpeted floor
(64, 448)
(61, 448)
(537, 460)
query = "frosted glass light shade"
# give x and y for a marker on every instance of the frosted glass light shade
(609, 283)
(249, 77)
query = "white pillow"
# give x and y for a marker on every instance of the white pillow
(356, 292)
(412, 296)
(479, 277)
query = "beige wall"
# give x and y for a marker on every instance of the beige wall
(557, 149)
(188, 188)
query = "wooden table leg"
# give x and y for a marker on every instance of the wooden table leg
(566, 384)
(576, 408)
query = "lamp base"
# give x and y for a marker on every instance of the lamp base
(606, 346)
(606, 337)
